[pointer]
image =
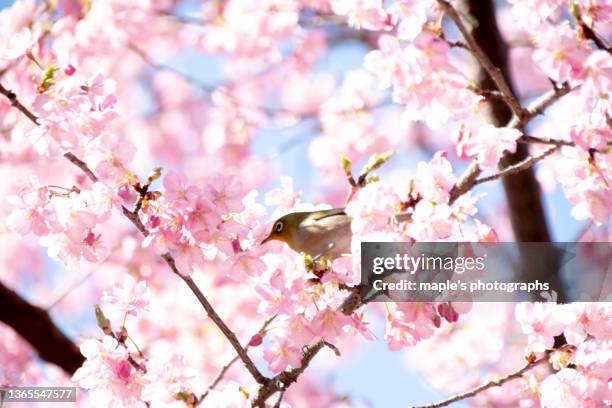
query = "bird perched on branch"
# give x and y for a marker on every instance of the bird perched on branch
(324, 233)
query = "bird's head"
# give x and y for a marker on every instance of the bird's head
(286, 228)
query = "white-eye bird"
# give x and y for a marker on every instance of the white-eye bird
(325, 233)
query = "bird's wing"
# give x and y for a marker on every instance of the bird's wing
(327, 234)
(330, 219)
(329, 213)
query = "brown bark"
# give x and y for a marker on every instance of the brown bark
(522, 190)
(35, 326)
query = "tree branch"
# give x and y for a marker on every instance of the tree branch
(586, 31)
(35, 326)
(12, 97)
(283, 380)
(468, 178)
(544, 140)
(167, 257)
(542, 103)
(518, 167)
(494, 72)
(493, 383)
(230, 363)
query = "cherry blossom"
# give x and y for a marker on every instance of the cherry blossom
(107, 374)
(281, 354)
(19, 45)
(560, 54)
(489, 144)
(130, 297)
(539, 323)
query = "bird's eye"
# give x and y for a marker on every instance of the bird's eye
(278, 227)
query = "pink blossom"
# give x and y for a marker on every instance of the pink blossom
(595, 12)
(19, 45)
(362, 327)
(485, 233)
(583, 319)
(572, 388)
(539, 323)
(281, 354)
(372, 209)
(586, 184)
(399, 334)
(107, 374)
(531, 13)
(252, 29)
(597, 76)
(110, 156)
(430, 221)
(465, 206)
(409, 323)
(560, 54)
(594, 357)
(329, 324)
(385, 61)
(168, 373)
(490, 143)
(188, 255)
(32, 212)
(435, 179)
(225, 193)
(285, 197)
(367, 14)
(591, 138)
(243, 264)
(130, 297)
(429, 84)
(412, 16)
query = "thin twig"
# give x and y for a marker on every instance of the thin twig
(586, 31)
(230, 363)
(518, 167)
(468, 178)
(493, 383)
(81, 165)
(231, 337)
(12, 97)
(283, 380)
(493, 71)
(66, 292)
(544, 140)
(542, 103)
(164, 67)
(280, 399)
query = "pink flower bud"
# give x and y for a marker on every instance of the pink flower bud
(90, 238)
(154, 221)
(123, 370)
(124, 192)
(256, 340)
(236, 246)
(447, 311)
(69, 70)
(436, 321)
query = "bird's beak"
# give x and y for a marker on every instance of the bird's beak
(266, 239)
